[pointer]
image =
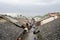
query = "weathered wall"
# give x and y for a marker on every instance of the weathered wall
(47, 20)
(51, 30)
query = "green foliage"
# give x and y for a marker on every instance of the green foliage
(46, 15)
(38, 16)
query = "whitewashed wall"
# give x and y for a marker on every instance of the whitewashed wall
(48, 20)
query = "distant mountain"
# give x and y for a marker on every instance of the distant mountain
(38, 16)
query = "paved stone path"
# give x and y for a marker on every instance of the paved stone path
(29, 36)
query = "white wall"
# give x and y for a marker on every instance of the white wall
(48, 20)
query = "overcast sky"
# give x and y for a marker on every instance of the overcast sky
(29, 7)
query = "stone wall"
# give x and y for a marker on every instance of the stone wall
(51, 30)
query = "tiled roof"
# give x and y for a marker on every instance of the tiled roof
(9, 31)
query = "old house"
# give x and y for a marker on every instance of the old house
(46, 19)
(50, 27)
(50, 30)
(8, 30)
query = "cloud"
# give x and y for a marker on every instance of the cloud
(27, 2)
(29, 7)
